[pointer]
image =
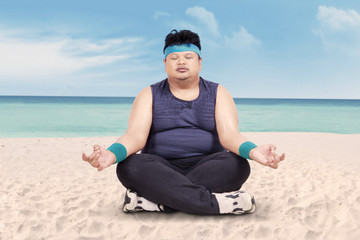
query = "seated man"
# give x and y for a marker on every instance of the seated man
(193, 158)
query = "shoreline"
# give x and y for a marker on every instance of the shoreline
(133, 97)
(48, 192)
(117, 136)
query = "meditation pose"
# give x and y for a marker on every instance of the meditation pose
(183, 150)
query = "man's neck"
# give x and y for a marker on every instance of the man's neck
(184, 84)
(187, 89)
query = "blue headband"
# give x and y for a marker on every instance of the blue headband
(182, 48)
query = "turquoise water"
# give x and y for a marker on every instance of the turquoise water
(107, 116)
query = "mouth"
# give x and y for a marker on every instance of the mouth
(182, 69)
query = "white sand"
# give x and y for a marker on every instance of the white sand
(48, 192)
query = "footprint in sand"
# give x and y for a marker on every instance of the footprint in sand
(61, 223)
(292, 201)
(144, 231)
(310, 234)
(24, 191)
(96, 227)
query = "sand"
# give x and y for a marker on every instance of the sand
(48, 192)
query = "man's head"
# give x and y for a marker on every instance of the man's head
(182, 55)
(182, 40)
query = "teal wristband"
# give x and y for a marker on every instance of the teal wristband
(245, 148)
(119, 150)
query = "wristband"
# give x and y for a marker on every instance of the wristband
(119, 150)
(245, 148)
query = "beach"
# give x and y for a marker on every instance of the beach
(48, 192)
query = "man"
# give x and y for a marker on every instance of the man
(193, 158)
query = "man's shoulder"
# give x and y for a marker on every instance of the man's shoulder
(208, 81)
(159, 88)
(217, 85)
(209, 85)
(160, 83)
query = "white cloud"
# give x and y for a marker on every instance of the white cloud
(339, 30)
(45, 57)
(160, 14)
(205, 18)
(337, 18)
(242, 39)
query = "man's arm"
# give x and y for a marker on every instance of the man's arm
(135, 136)
(139, 123)
(227, 125)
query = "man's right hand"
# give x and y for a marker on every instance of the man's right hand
(100, 158)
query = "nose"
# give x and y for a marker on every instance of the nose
(181, 61)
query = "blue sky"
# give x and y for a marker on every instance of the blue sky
(261, 49)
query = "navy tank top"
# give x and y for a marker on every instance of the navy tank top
(183, 128)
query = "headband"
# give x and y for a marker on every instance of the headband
(182, 48)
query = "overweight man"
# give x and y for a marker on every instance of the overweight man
(183, 150)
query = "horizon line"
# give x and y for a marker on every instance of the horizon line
(284, 98)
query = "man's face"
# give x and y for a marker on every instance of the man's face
(182, 65)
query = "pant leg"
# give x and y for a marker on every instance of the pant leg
(220, 172)
(157, 180)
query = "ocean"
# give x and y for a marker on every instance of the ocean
(40, 116)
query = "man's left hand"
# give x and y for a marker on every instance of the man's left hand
(266, 155)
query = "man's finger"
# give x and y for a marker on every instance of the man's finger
(95, 163)
(273, 158)
(282, 157)
(277, 158)
(273, 165)
(276, 165)
(96, 147)
(88, 158)
(84, 157)
(100, 168)
(92, 156)
(272, 148)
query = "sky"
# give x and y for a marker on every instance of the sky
(255, 49)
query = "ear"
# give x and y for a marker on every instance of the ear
(165, 63)
(200, 62)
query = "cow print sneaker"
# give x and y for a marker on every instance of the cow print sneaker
(135, 203)
(237, 202)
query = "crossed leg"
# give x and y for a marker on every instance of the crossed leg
(185, 185)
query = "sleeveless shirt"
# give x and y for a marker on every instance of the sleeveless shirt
(183, 128)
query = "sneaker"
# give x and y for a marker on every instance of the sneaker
(237, 202)
(130, 202)
(249, 203)
(135, 203)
